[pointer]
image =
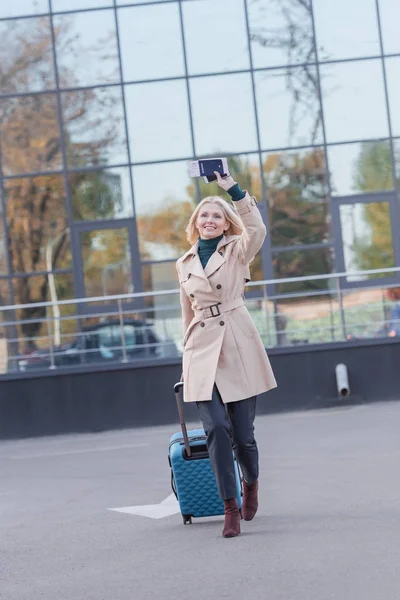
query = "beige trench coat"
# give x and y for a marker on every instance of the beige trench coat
(225, 348)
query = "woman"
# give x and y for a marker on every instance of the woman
(225, 365)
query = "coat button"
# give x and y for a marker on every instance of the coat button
(222, 322)
(219, 286)
(192, 295)
(202, 324)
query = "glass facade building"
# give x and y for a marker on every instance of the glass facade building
(103, 102)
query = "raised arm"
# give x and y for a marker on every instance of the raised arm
(246, 206)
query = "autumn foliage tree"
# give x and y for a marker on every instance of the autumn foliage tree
(31, 143)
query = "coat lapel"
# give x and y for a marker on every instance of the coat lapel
(214, 263)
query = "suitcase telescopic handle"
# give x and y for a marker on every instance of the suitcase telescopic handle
(178, 389)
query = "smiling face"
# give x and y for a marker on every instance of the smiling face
(211, 221)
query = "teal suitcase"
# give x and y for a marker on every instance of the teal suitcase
(192, 477)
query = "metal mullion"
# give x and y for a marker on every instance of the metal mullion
(19, 275)
(266, 253)
(135, 258)
(301, 247)
(189, 99)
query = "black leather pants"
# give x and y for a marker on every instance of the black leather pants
(226, 426)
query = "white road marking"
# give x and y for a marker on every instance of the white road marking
(166, 508)
(77, 451)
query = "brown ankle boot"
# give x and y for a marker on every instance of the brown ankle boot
(232, 518)
(250, 500)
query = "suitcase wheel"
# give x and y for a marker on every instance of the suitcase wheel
(187, 519)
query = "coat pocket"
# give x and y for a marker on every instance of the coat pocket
(243, 322)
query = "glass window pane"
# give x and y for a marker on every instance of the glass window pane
(301, 263)
(346, 29)
(390, 18)
(33, 330)
(393, 81)
(106, 258)
(289, 110)
(354, 101)
(165, 197)
(367, 238)
(146, 34)
(86, 45)
(138, 1)
(163, 310)
(26, 55)
(208, 43)
(158, 120)
(37, 224)
(104, 194)
(396, 151)
(23, 8)
(94, 127)
(217, 125)
(245, 169)
(30, 138)
(281, 32)
(356, 168)
(3, 249)
(58, 5)
(5, 299)
(297, 194)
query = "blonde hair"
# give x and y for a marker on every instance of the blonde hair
(236, 226)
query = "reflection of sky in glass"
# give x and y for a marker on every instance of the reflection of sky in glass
(281, 32)
(158, 120)
(354, 101)
(18, 8)
(151, 42)
(156, 185)
(346, 29)
(87, 48)
(390, 19)
(93, 120)
(293, 95)
(26, 55)
(211, 46)
(358, 168)
(223, 114)
(79, 4)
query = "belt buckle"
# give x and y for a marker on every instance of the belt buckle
(211, 311)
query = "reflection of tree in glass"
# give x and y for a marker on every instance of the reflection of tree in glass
(297, 197)
(296, 40)
(373, 172)
(102, 248)
(298, 213)
(95, 195)
(30, 140)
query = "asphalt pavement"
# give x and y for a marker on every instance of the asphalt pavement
(328, 525)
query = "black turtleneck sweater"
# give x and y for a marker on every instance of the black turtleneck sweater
(208, 247)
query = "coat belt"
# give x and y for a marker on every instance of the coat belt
(218, 309)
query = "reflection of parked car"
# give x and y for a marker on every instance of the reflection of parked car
(104, 343)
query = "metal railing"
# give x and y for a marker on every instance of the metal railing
(143, 326)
